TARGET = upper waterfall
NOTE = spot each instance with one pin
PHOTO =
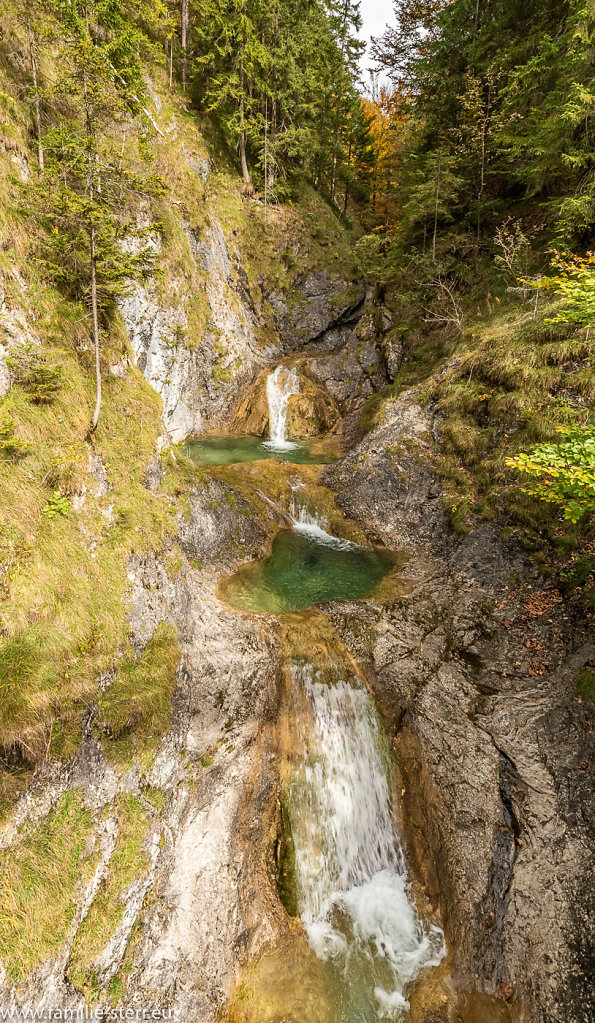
(281, 384)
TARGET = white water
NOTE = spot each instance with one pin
(352, 883)
(281, 384)
(304, 521)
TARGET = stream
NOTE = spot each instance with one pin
(350, 871)
(344, 865)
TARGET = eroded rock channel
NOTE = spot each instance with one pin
(372, 799)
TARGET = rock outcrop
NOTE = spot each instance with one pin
(204, 902)
(475, 672)
(198, 377)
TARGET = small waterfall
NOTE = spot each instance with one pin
(313, 525)
(351, 876)
(301, 516)
(281, 384)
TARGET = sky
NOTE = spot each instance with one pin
(376, 14)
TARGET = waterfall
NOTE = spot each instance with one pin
(313, 525)
(351, 877)
(281, 384)
(301, 516)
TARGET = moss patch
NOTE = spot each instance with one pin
(585, 684)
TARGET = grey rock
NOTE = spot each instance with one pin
(154, 474)
(323, 302)
(475, 678)
(221, 526)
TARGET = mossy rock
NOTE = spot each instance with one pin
(252, 415)
(311, 414)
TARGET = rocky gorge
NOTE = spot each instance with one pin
(470, 655)
(363, 796)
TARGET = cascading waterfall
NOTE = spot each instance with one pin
(350, 872)
(301, 516)
(281, 384)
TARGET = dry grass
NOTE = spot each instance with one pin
(128, 863)
(40, 875)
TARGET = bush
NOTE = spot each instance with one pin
(29, 368)
(10, 445)
(564, 473)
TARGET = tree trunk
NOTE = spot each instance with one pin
(184, 38)
(347, 180)
(245, 171)
(92, 156)
(436, 214)
(36, 105)
(95, 418)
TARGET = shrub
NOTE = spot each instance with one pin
(29, 368)
(564, 473)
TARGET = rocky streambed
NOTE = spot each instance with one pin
(476, 805)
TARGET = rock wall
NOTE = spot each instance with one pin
(198, 378)
(210, 845)
(475, 671)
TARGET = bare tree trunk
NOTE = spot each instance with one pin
(245, 171)
(36, 105)
(347, 180)
(184, 38)
(97, 410)
(266, 156)
(93, 258)
(436, 214)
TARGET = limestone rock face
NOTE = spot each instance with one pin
(321, 301)
(475, 677)
(198, 378)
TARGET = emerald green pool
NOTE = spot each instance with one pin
(227, 448)
(306, 566)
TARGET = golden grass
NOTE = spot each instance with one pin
(39, 877)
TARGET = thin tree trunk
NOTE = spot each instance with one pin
(245, 171)
(97, 410)
(347, 181)
(266, 156)
(93, 259)
(436, 215)
(36, 105)
(184, 38)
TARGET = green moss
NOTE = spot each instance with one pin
(156, 797)
(585, 684)
(41, 872)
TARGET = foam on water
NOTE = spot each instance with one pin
(352, 882)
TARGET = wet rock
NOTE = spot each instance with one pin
(221, 526)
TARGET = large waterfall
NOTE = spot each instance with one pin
(281, 384)
(351, 878)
